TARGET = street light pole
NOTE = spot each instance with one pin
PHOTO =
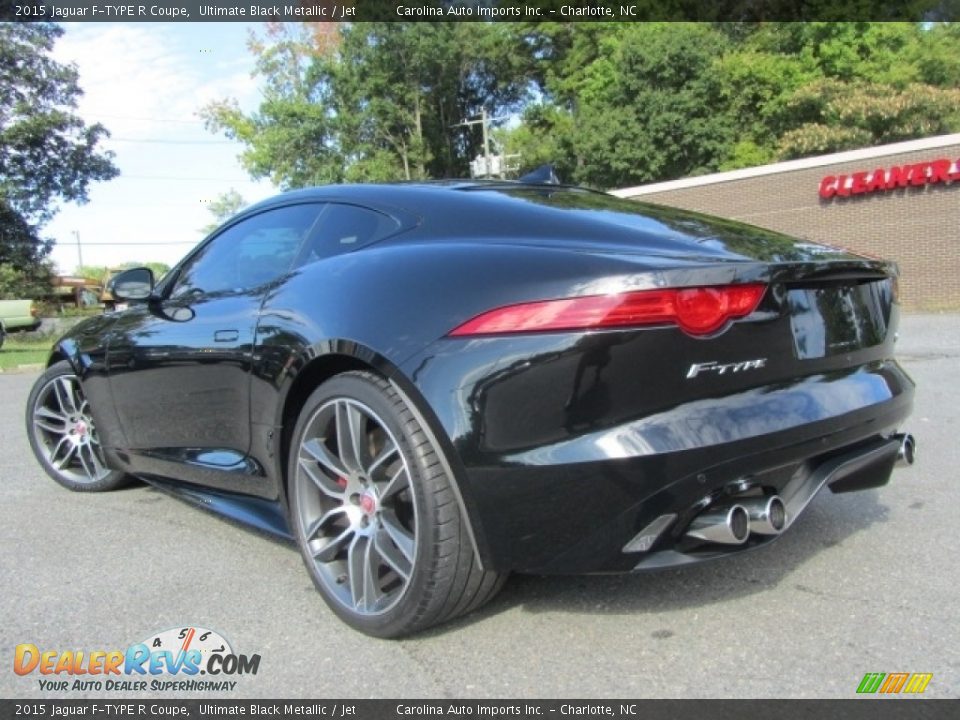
(76, 235)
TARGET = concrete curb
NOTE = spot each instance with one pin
(31, 367)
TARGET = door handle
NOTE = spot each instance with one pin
(225, 336)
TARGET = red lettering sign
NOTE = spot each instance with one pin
(864, 182)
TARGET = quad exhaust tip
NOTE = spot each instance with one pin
(768, 515)
(729, 525)
(907, 453)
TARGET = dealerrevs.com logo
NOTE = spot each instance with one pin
(179, 659)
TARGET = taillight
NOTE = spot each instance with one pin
(698, 311)
(33, 310)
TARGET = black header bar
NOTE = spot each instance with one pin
(474, 10)
(877, 709)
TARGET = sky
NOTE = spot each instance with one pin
(145, 83)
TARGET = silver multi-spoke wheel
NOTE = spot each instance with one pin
(356, 506)
(375, 512)
(64, 432)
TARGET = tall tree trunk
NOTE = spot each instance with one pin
(418, 120)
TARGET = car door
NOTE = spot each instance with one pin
(179, 367)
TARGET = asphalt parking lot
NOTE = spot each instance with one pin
(864, 582)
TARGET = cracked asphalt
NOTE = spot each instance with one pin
(863, 582)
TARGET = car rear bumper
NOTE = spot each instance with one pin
(572, 507)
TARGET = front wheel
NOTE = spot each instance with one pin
(62, 434)
(375, 515)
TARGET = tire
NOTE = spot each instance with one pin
(375, 515)
(62, 434)
(3, 336)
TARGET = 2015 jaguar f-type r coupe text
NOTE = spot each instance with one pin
(431, 385)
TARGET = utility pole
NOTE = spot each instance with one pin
(486, 139)
(76, 235)
(484, 122)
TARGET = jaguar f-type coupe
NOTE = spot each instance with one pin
(429, 386)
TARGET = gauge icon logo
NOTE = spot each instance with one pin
(184, 639)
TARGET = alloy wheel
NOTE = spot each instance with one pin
(356, 506)
(64, 431)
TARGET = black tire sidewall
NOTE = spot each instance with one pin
(404, 616)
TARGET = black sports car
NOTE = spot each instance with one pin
(429, 386)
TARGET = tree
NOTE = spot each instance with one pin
(640, 100)
(17, 283)
(809, 88)
(223, 208)
(99, 272)
(380, 102)
(626, 103)
(47, 153)
(831, 115)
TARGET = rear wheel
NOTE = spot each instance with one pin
(375, 514)
(62, 433)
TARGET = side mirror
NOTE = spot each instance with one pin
(133, 284)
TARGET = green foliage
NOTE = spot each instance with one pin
(647, 102)
(608, 104)
(47, 152)
(159, 269)
(224, 207)
(374, 102)
(837, 116)
(91, 272)
(97, 273)
(18, 283)
(543, 138)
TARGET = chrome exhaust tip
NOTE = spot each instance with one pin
(768, 515)
(907, 453)
(729, 525)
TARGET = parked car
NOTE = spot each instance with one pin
(429, 386)
(17, 315)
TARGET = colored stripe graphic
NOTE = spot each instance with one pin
(893, 683)
(871, 682)
(918, 682)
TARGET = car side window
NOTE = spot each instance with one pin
(342, 228)
(251, 253)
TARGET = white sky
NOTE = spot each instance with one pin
(145, 83)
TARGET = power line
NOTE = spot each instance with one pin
(160, 141)
(147, 119)
(161, 242)
(174, 177)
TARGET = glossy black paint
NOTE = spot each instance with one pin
(563, 444)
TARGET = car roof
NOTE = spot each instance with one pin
(417, 196)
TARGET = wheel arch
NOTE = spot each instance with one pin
(64, 350)
(339, 357)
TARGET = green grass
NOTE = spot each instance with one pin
(20, 351)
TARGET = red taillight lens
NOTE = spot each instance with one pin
(698, 311)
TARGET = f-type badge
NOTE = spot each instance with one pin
(711, 366)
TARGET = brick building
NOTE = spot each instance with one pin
(900, 202)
